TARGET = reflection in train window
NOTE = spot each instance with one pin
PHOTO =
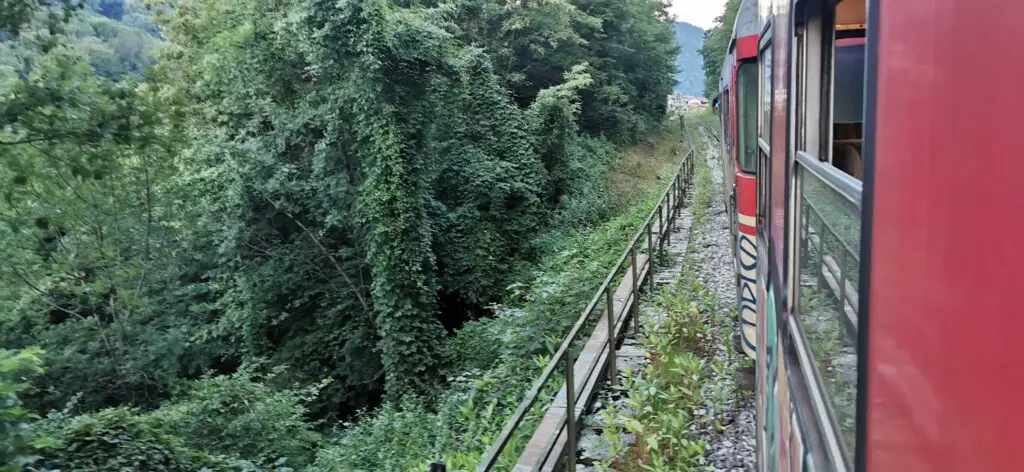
(829, 239)
(746, 94)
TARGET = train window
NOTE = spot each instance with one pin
(766, 93)
(727, 114)
(746, 94)
(829, 266)
(848, 103)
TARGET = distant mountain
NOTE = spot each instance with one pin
(689, 64)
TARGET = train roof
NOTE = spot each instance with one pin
(746, 21)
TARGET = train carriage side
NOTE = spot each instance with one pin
(742, 168)
(877, 232)
(809, 144)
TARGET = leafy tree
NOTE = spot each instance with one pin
(15, 438)
(716, 46)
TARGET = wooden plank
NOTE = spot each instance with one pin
(546, 447)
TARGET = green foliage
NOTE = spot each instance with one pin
(716, 46)
(243, 414)
(658, 401)
(16, 367)
(495, 360)
(114, 439)
(324, 185)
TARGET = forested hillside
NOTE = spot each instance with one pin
(715, 47)
(689, 63)
(227, 225)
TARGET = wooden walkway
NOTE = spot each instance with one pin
(546, 450)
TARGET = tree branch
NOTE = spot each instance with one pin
(316, 241)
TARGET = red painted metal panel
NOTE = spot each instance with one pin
(945, 325)
(746, 47)
(746, 201)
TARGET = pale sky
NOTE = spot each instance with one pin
(698, 12)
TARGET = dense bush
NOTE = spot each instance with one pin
(244, 415)
(15, 439)
(113, 439)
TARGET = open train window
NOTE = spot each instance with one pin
(830, 59)
(848, 102)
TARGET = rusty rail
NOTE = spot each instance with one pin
(665, 212)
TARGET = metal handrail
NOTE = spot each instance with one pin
(672, 197)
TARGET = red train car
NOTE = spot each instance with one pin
(737, 96)
(886, 220)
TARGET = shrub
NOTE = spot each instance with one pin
(243, 415)
(113, 439)
(15, 440)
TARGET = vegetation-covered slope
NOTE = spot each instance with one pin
(689, 63)
(285, 216)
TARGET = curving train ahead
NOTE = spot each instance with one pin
(875, 213)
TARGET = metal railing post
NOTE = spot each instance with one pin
(570, 412)
(650, 260)
(610, 310)
(661, 227)
(634, 308)
(842, 282)
(820, 268)
(675, 204)
(679, 186)
(668, 204)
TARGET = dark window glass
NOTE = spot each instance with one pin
(849, 84)
(746, 93)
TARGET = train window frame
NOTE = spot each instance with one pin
(746, 105)
(766, 95)
(813, 100)
(764, 129)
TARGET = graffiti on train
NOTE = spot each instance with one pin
(747, 255)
